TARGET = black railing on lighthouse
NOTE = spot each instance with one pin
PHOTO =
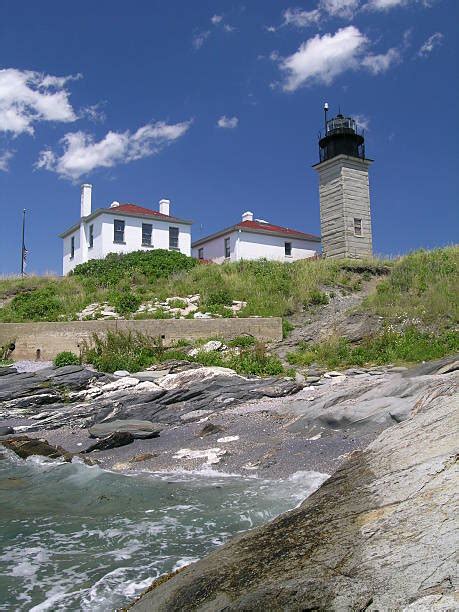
(342, 137)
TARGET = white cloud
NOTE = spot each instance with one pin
(433, 41)
(228, 123)
(340, 8)
(200, 38)
(322, 58)
(300, 19)
(216, 19)
(5, 157)
(381, 62)
(270, 28)
(27, 97)
(228, 28)
(363, 122)
(82, 154)
(385, 5)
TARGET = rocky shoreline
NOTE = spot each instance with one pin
(187, 417)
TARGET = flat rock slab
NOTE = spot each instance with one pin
(138, 429)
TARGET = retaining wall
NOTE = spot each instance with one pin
(49, 339)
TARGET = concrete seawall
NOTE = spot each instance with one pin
(49, 339)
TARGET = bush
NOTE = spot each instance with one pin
(121, 351)
(256, 362)
(39, 305)
(135, 266)
(242, 341)
(316, 298)
(66, 358)
(219, 297)
(125, 302)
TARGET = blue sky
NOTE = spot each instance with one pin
(217, 105)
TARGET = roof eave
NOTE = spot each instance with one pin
(113, 211)
(298, 236)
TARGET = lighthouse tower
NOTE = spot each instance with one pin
(345, 218)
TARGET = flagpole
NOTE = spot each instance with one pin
(23, 244)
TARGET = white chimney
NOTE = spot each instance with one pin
(86, 190)
(164, 207)
(247, 216)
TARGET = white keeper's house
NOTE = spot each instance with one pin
(256, 239)
(122, 228)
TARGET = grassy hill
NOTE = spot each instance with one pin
(416, 297)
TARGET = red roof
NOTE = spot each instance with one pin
(268, 227)
(133, 209)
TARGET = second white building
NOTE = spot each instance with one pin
(256, 239)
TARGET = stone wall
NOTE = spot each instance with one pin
(52, 338)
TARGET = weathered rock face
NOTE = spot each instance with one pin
(82, 398)
(378, 535)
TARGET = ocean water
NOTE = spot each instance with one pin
(74, 537)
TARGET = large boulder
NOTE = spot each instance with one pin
(378, 535)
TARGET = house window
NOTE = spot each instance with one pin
(288, 249)
(147, 229)
(72, 247)
(201, 253)
(227, 248)
(358, 227)
(91, 236)
(118, 231)
(173, 238)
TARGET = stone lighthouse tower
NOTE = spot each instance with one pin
(345, 218)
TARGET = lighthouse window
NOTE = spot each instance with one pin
(288, 249)
(227, 248)
(357, 227)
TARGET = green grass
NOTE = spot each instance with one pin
(406, 347)
(269, 288)
(422, 290)
(134, 351)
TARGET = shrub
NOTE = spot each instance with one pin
(219, 297)
(135, 266)
(242, 341)
(316, 298)
(256, 362)
(177, 303)
(66, 358)
(126, 302)
(121, 351)
(39, 305)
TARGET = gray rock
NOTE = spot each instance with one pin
(210, 429)
(151, 375)
(114, 440)
(195, 415)
(139, 429)
(6, 431)
(121, 373)
(212, 345)
(378, 535)
(431, 367)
